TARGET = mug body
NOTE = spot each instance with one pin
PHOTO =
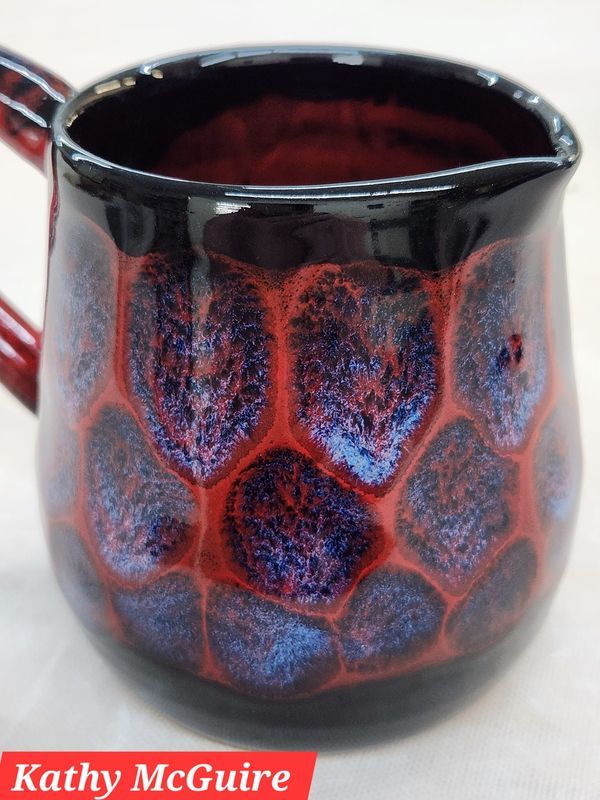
(309, 450)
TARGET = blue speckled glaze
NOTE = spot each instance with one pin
(198, 350)
(557, 480)
(139, 513)
(393, 615)
(501, 368)
(164, 619)
(496, 601)
(60, 462)
(79, 334)
(77, 576)
(557, 466)
(455, 508)
(365, 369)
(295, 532)
(263, 648)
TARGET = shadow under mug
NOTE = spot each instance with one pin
(309, 454)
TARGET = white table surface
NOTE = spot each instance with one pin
(536, 732)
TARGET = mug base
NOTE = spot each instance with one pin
(353, 716)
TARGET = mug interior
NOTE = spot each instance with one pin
(303, 120)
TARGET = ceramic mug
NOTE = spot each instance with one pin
(309, 453)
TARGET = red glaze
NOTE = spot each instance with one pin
(29, 97)
(19, 355)
(298, 441)
(456, 512)
(320, 142)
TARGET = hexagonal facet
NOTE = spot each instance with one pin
(392, 616)
(200, 360)
(77, 576)
(59, 466)
(557, 476)
(264, 649)
(455, 509)
(496, 601)
(500, 363)
(295, 532)
(557, 466)
(140, 514)
(365, 367)
(81, 314)
(164, 619)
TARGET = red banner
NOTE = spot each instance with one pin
(134, 776)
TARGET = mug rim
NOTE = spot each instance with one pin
(560, 133)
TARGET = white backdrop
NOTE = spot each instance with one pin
(536, 732)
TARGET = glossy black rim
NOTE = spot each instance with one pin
(560, 134)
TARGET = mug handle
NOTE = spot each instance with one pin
(29, 98)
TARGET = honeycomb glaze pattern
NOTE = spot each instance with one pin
(285, 483)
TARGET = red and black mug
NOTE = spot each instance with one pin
(309, 453)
